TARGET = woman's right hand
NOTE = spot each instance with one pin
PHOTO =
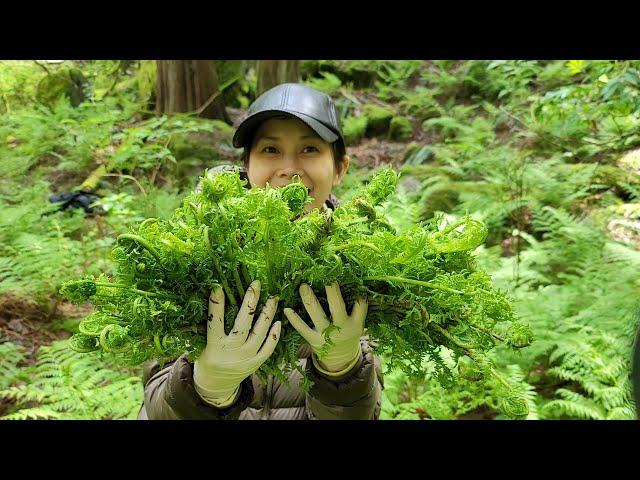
(228, 359)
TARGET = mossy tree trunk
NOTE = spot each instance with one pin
(189, 86)
(274, 72)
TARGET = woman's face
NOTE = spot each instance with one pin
(283, 147)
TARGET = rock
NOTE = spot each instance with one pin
(67, 82)
(378, 119)
(16, 326)
(354, 129)
(410, 184)
(400, 129)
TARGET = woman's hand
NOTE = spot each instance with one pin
(228, 359)
(343, 352)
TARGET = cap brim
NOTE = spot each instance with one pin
(249, 124)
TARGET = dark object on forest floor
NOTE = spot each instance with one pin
(77, 199)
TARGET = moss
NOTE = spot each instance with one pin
(354, 129)
(193, 146)
(442, 197)
(400, 129)
(146, 79)
(378, 119)
(67, 82)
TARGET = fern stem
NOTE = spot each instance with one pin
(393, 278)
(358, 242)
(135, 290)
(216, 264)
(449, 228)
(138, 239)
(467, 348)
(488, 332)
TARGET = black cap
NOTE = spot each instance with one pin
(314, 108)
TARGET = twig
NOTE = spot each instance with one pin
(126, 176)
(215, 95)
(42, 67)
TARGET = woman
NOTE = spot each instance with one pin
(291, 130)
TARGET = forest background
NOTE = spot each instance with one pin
(545, 153)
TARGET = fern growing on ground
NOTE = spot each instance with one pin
(66, 385)
(11, 355)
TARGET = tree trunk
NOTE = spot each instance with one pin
(189, 86)
(274, 72)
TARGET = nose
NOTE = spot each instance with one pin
(290, 168)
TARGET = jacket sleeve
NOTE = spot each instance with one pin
(356, 395)
(169, 394)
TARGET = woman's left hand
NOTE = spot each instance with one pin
(344, 350)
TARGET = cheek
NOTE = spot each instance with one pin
(322, 174)
(258, 172)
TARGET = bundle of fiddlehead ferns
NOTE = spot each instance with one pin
(423, 287)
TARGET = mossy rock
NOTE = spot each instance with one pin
(354, 129)
(442, 197)
(400, 129)
(200, 146)
(67, 82)
(378, 119)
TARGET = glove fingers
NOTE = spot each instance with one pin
(244, 319)
(269, 344)
(313, 307)
(302, 328)
(359, 311)
(259, 332)
(336, 303)
(215, 318)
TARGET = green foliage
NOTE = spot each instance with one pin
(18, 83)
(35, 247)
(329, 83)
(65, 385)
(11, 355)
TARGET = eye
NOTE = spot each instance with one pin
(269, 150)
(310, 149)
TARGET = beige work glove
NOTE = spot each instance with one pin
(343, 352)
(228, 359)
